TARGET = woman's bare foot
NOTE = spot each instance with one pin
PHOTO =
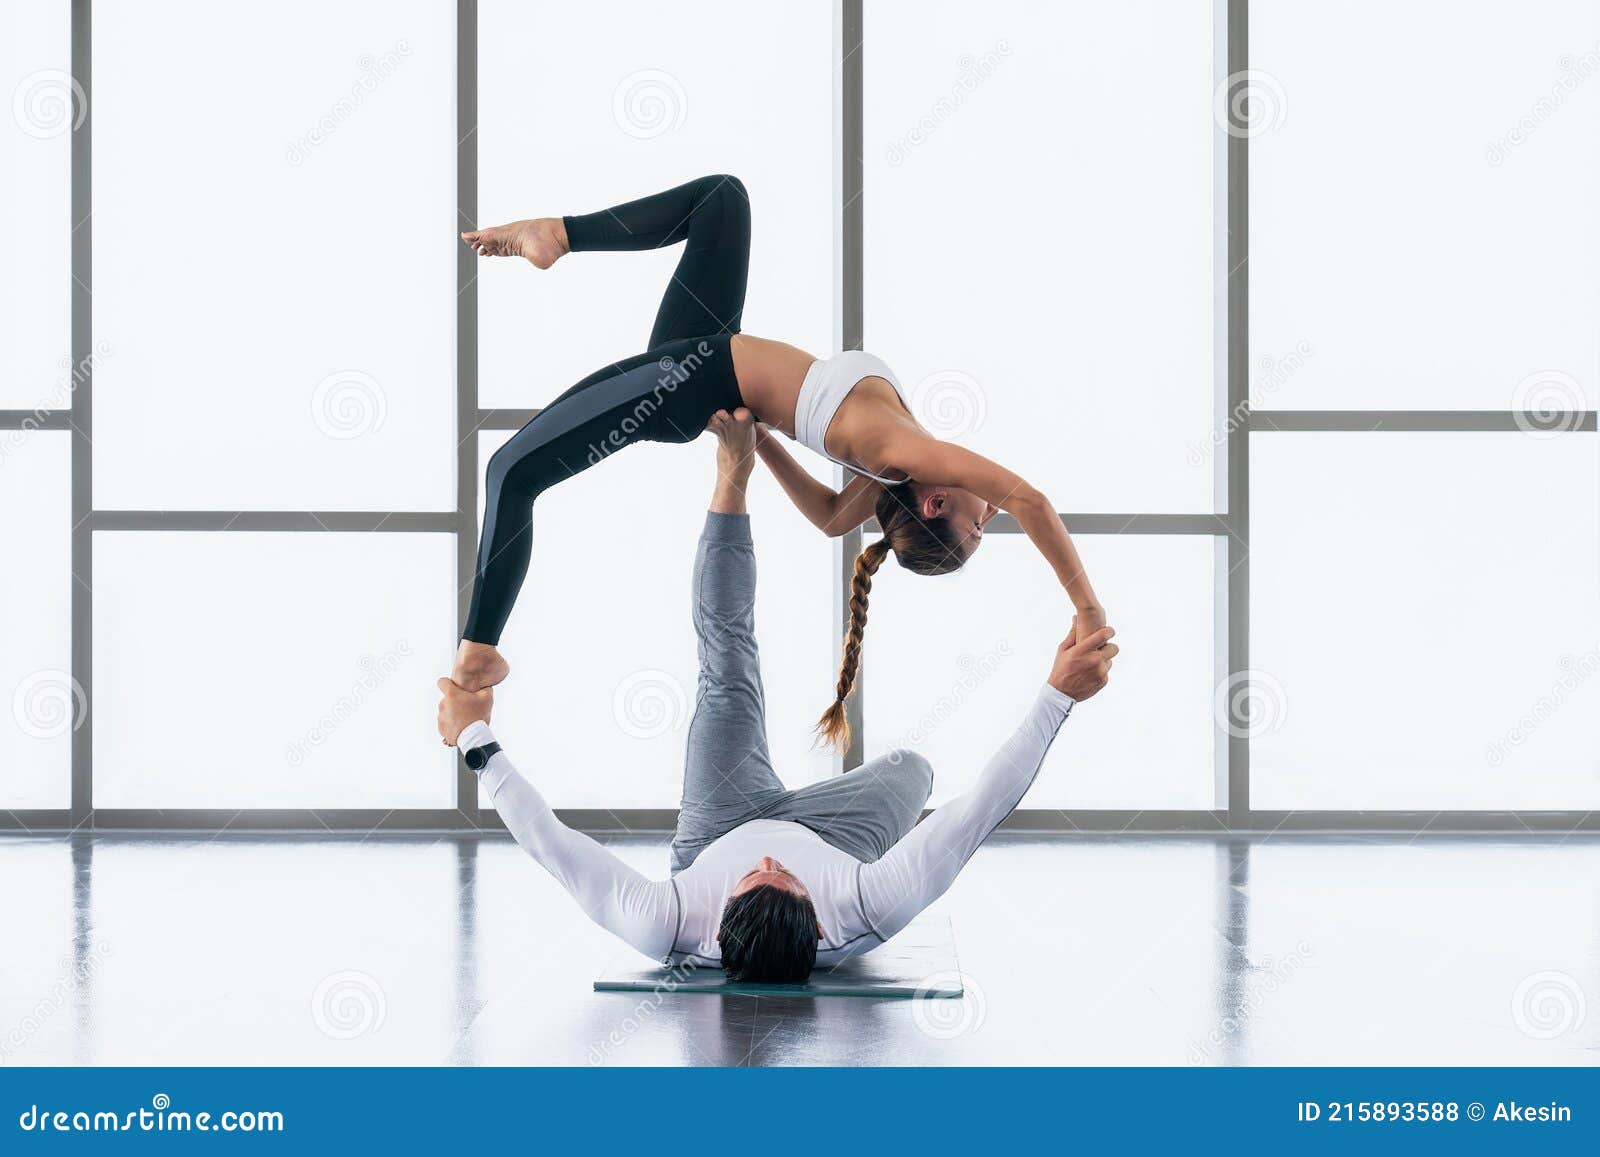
(478, 665)
(542, 241)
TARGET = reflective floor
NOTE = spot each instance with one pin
(123, 950)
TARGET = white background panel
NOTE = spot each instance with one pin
(1039, 238)
(1425, 616)
(275, 262)
(271, 670)
(35, 269)
(42, 702)
(1425, 222)
(741, 88)
(952, 664)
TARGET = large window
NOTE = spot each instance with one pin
(1308, 365)
(273, 264)
(1424, 471)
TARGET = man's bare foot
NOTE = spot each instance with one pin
(542, 241)
(478, 665)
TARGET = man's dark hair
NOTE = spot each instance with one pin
(770, 935)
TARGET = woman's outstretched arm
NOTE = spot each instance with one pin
(936, 463)
(834, 512)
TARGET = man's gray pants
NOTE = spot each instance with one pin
(727, 775)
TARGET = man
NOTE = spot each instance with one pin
(765, 881)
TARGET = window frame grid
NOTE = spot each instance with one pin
(1229, 529)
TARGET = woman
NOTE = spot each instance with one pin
(931, 498)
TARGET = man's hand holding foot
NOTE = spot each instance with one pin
(1082, 668)
(460, 707)
(736, 433)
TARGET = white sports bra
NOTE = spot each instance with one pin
(827, 383)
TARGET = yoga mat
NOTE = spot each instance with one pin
(920, 961)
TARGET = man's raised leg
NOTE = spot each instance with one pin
(727, 774)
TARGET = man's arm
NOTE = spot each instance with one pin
(920, 868)
(641, 911)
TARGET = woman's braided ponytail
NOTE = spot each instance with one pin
(833, 729)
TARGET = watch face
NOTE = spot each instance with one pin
(475, 759)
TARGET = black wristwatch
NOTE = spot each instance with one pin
(478, 757)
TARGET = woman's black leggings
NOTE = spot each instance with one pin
(665, 394)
